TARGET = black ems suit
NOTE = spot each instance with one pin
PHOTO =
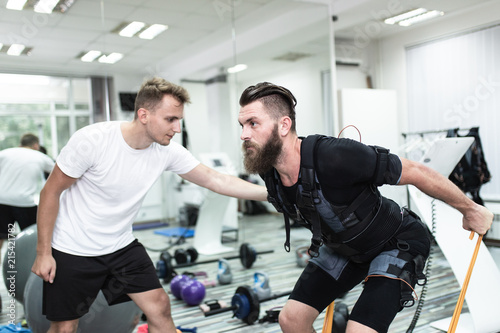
(356, 233)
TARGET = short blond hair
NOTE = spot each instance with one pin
(152, 91)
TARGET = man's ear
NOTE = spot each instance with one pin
(142, 115)
(284, 125)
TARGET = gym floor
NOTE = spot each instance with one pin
(266, 232)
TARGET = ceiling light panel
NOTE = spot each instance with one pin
(404, 16)
(110, 58)
(139, 29)
(41, 6)
(413, 16)
(45, 6)
(422, 17)
(153, 31)
(90, 56)
(237, 68)
(15, 4)
(16, 49)
(131, 29)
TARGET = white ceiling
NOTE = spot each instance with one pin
(203, 35)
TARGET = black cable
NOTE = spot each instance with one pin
(423, 292)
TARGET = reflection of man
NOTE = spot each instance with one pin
(21, 171)
(90, 201)
(330, 187)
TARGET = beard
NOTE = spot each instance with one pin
(261, 159)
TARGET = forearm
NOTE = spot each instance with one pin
(46, 217)
(225, 184)
(475, 217)
(236, 187)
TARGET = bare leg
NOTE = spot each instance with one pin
(156, 306)
(297, 317)
(355, 327)
(68, 326)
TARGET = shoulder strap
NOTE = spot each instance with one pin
(309, 192)
(270, 178)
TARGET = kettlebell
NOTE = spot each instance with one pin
(302, 256)
(224, 275)
(261, 285)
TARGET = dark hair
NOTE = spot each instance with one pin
(278, 100)
(29, 139)
(152, 91)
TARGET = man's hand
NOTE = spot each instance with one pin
(477, 219)
(45, 267)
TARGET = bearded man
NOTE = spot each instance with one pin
(330, 186)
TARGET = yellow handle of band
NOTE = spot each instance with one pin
(328, 323)
(461, 298)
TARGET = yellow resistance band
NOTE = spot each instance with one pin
(328, 323)
(458, 308)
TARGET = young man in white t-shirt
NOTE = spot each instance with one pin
(89, 203)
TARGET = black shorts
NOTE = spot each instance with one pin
(79, 279)
(24, 216)
(380, 300)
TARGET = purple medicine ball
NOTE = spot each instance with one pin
(177, 284)
(193, 292)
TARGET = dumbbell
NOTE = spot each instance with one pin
(247, 256)
(184, 256)
(245, 304)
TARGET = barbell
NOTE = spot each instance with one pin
(166, 270)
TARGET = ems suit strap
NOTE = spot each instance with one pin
(382, 160)
(309, 191)
(360, 199)
(272, 197)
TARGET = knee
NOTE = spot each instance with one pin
(286, 320)
(63, 326)
(160, 308)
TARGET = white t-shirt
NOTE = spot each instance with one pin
(21, 175)
(96, 213)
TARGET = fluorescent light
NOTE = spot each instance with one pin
(110, 58)
(1, 45)
(131, 29)
(237, 68)
(90, 56)
(15, 49)
(16, 4)
(404, 16)
(45, 6)
(421, 17)
(153, 31)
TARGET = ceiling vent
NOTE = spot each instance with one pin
(292, 56)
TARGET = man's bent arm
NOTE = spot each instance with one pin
(48, 209)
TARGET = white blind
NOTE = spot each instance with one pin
(454, 82)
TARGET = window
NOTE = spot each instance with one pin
(52, 108)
